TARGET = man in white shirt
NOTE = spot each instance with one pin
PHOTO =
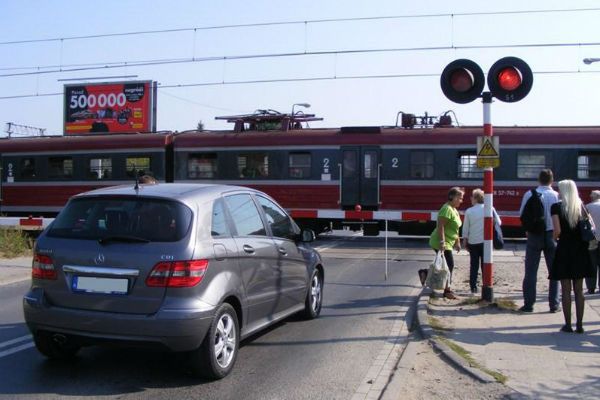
(594, 210)
(472, 231)
(538, 242)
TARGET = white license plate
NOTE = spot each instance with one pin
(100, 285)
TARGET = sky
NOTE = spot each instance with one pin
(357, 63)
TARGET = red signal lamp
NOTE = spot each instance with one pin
(510, 79)
(462, 81)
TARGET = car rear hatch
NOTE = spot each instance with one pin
(104, 248)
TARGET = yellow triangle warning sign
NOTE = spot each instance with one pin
(487, 149)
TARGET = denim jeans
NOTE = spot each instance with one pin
(590, 282)
(476, 256)
(536, 244)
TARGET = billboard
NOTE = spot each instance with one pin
(110, 107)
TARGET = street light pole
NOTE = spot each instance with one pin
(589, 61)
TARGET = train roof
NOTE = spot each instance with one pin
(84, 142)
(390, 136)
(360, 135)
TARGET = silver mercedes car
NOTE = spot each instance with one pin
(192, 268)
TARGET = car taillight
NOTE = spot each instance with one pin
(177, 273)
(42, 267)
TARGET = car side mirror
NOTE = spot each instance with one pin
(307, 235)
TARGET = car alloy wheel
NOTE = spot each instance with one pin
(314, 297)
(315, 293)
(225, 340)
(215, 358)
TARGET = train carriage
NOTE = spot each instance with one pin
(39, 174)
(323, 176)
(326, 178)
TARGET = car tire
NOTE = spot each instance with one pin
(314, 297)
(215, 358)
(52, 348)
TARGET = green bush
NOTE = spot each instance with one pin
(14, 243)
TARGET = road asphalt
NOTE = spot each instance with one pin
(526, 351)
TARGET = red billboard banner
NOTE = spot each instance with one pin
(109, 107)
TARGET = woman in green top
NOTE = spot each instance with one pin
(446, 234)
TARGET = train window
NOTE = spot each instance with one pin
(588, 166)
(100, 168)
(299, 165)
(28, 168)
(530, 163)
(253, 165)
(421, 164)
(349, 164)
(140, 164)
(467, 166)
(370, 164)
(202, 166)
(60, 167)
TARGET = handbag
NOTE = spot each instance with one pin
(585, 227)
(498, 237)
(439, 273)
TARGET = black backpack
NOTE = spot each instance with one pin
(533, 219)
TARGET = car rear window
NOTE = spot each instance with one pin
(98, 218)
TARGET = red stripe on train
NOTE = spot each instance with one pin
(304, 214)
(30, 222)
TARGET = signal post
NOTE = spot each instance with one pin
(509, 80)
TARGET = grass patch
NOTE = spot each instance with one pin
(472, 362)
(506, 304)
(467, 301)
(14, 243)
(437, 324)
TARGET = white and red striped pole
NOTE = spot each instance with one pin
(487, 292)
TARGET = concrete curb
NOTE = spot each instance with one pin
(450, 356)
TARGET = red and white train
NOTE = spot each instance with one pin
(320, 175)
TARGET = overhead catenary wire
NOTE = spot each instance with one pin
(312, 79)
(314, 21)
(143, 63)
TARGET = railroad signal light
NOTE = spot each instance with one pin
(510, 79)
(462, 81)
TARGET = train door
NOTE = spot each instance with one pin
(360, 176)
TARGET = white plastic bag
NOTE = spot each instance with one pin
(438, 274)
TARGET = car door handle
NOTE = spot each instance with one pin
(283, 251)
(248, 249)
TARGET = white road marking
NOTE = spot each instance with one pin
(13, 341)
(16, 349)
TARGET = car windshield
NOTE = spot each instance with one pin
(122, 219)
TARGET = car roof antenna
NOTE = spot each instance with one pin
(137, 179)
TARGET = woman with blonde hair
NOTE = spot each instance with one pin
(472, 230)
(571, 262)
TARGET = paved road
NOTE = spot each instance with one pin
(325, 358)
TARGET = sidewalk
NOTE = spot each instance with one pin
(525, 351)
(14, 270)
